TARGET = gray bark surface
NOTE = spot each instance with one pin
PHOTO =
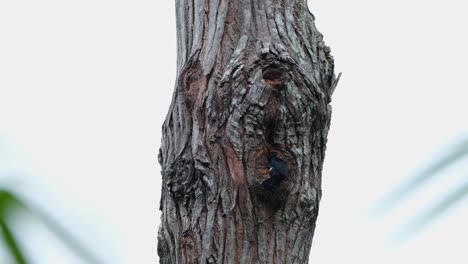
(254, 78)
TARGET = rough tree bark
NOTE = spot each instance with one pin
(254, 80)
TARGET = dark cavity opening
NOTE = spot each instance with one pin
(274, 76)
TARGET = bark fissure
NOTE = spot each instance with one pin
(254, 82)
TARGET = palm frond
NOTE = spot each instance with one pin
(11, 242)
(440, 206)
(405, 189)
(432, 213)
(10, 204)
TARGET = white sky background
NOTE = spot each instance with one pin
(85, 86)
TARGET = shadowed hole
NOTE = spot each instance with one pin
(274, 76)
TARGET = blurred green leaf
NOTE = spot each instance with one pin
(11, 204)
(439, 207)
(66, 237)
(406, 189)
(11, 242)
(433, 212)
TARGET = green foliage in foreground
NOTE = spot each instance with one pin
(437, 208)
(11, 205)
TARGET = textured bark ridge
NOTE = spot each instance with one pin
(254, 81)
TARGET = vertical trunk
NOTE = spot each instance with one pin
(254, 81)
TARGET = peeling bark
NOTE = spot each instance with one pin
(254, 80)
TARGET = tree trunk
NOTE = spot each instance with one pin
(254, 85)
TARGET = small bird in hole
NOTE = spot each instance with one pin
(278, 172)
